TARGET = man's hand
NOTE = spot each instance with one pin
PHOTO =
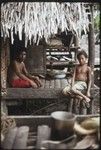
(33, 84)
(37, 80)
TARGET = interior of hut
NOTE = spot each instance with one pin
(59, 52)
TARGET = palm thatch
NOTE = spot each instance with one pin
(41, 19)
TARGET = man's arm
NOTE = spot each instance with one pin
(89, 82)
(26, 73)
(35, 78)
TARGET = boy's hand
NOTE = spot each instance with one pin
(88, 94)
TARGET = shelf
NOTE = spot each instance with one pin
(57, 53)
(60, 63)
(53, 53)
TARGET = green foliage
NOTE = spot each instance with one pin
(97, 22)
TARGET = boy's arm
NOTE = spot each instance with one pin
(89, 82)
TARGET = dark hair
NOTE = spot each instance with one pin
(82, 53)
(19, 51)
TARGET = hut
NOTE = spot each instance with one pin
(34, 25)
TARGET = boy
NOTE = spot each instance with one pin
(81, 80)
(18, 75)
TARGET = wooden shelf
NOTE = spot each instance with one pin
(60, 63)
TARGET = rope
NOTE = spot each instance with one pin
(6, 123)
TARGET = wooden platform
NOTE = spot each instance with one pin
(51, 90)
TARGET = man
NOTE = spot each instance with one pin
(18, 74)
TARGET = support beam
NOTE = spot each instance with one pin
(91, 43)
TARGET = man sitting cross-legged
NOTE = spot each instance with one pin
(18, 76)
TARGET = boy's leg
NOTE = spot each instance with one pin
(80, 94)
(66, 90)
(78, 88)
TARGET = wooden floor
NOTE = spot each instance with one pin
(54, 83)
(51, 89)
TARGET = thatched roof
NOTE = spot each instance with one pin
(41, 19)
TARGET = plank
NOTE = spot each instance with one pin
(47, 83)
(63, 83)
(21, 138)
(51, 85)
(9, 138)
(57, 83)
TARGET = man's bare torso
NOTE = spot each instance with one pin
(81, 73)
(13, 71)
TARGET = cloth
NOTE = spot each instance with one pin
(78, 85)
(20, 83)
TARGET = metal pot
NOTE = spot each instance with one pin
(63, 123)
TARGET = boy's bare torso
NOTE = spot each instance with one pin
(81, 73)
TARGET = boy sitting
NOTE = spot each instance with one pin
(81, 80)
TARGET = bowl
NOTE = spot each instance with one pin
(60, 76)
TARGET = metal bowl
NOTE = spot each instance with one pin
(60, 76)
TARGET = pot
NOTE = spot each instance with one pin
(63, 124)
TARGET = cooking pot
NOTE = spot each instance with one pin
(63, 124)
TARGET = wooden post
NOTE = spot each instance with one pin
(20, 141)
(91, 43)
(9, 138)
(43, 133)
(76, 44)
